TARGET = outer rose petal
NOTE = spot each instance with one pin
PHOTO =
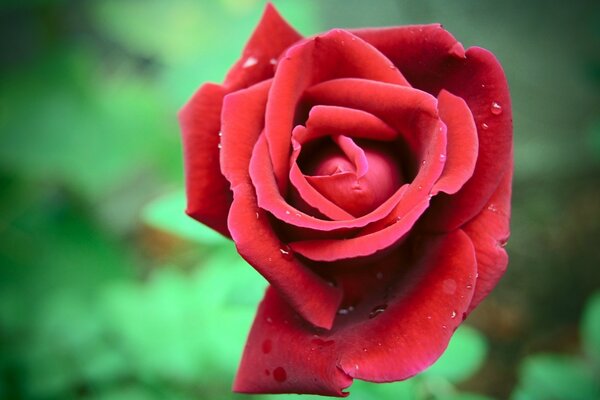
(252, 233)
(489, 232)
(480, 81)
(208, 195)
(461, 152)
(284, 354)
(432, 60)
(272, 36)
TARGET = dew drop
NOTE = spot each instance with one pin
(250, 61)
(484, 126)
(298, 215)
(429, 317)
(419, 187)
(496, 108)
(453, 315)
(269, 320)
(273, 61)
(442, 157)
(365, 349)
(287, 212)
(379, 275)
(444, 327)
(267, 346)
(469, 286)
(286, 252)
(220, 134)
(279, 374)
(492, 207)
(220, 146)
(270, 259)
(377, 310)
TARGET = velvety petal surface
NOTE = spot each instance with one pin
(208, 194)
(272, 36)
(462, 147)
(480, 81)
(250, 227)
(389, 337)
(335, 54)
(489, 232)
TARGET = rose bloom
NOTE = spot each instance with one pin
(366, 174)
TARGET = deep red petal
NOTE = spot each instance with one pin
(316, 301)
(272, 36)
(480, 81)
(270, 199)
(335, 54)
(243, 116)
(332, 120)
(489, 232)
(364, 245)
(403, 335)
(462, 148)
(421, 52)
(208, 194)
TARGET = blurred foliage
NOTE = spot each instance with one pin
(108, 291)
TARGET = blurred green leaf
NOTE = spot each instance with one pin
(464, 396)
(590, 328)
(168, 213)
(551, 377)
(463, 357)
(362, 390)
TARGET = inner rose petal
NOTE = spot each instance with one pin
(359, 180)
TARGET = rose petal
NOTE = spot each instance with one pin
(421, 52)
(364, 245)
(334, 54)
(307, 193)
(461, 151)
(408, 111)
(480, 81)
(270, 199)
(489, 232)
(208, 194)
(271, 37)
(381, 342)
(332, 120)
(250, 229)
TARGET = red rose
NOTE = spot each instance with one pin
(366, 174)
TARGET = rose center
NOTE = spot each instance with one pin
(357, 176)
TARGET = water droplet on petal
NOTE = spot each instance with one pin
(273, 61)
(286, 252)
(492, 207)
(442, 157)
(220, 134)
(269, 320)
(429, 317)
(469, 286)
(377, 310)
(220, 146)
(267, 346)
(444, 327)
(379, 275)
(496, 108)
(419, 187)
(453, 315)
(250, 61)
(287, 212)
(484, 126)
(279, 374)
(365, 349)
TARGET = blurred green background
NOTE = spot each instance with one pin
(107, 291)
